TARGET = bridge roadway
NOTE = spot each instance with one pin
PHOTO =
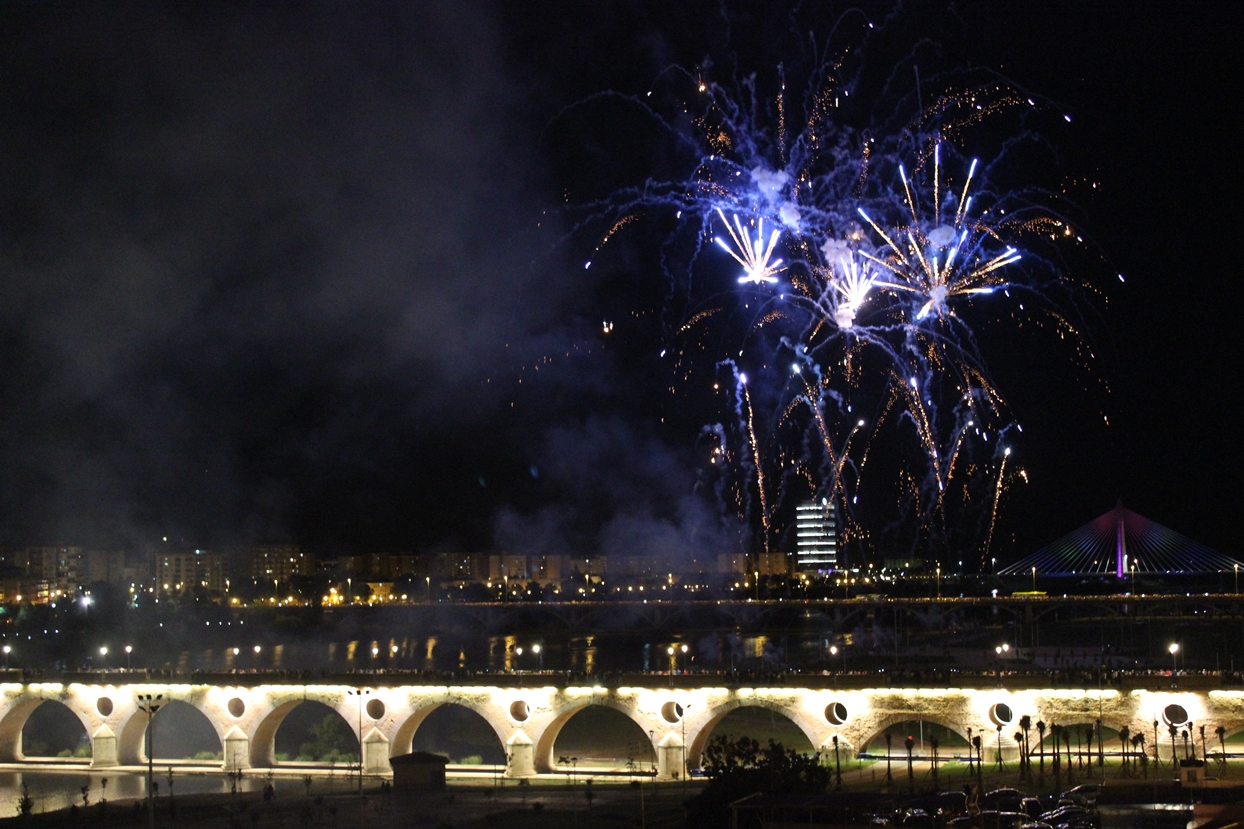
(678, 713)
(781, 613)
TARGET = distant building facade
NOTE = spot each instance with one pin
(816, 534)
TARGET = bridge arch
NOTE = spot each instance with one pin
(263, 740)
(14, 720)
(131, 736)
(884, 724)
(561, 715)
(404, 736)
(697, 740)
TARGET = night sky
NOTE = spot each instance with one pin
(274, 272)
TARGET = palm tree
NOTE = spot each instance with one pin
(1056, 732)
(1025, 723)
(971, 757)
(1138, 744)
(1041, 747)
(1221, 733)
(1174, 731)
(1125, 735)
(911, 775)
(933, 744)
(1019, 747)
(1204, 753)
(1101, 749)
(888, 777)
(1088, 745)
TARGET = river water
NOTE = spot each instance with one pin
(52, 789)
(589, 654)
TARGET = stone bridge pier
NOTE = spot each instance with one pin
(678, 722)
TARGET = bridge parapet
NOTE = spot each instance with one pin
(1123, 681)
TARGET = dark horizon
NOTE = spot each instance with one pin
(298, 274)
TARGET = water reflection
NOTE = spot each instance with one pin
(59, 789)
(706, 650)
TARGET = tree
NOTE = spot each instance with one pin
(1138, 743)
(1221, 733)
(737, 768)
(911, 775)
(1125, 735)
(1041, 746)
(1174, 732)
(331, 741)
(1067, 746)
(1025, 723)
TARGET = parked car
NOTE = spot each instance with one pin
(1003, 800)
(993, 819)
(1062, 813)
(952, 803)
(1085, 795)
(917, 819)
(1087, 821)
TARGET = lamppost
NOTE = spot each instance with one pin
(150, 704)
(683, 648)
(1237, 579)
(939, 582)
(360, 693)
(1174, 649)
(1034, 579)
(539, 651)
(103, 653)
(129, 649)
(671, 669)
(7, 650)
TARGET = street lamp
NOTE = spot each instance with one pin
(539, 651)
(150, 704)
(129, 649)
(7, 650)
(683, 648)
(673, 663)
(1237, 579)
(1174, 649)
(103, 652)
(360, 693)
(939, 582)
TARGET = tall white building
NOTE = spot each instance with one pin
(816, 534)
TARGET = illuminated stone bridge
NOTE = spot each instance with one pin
(677, 714)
